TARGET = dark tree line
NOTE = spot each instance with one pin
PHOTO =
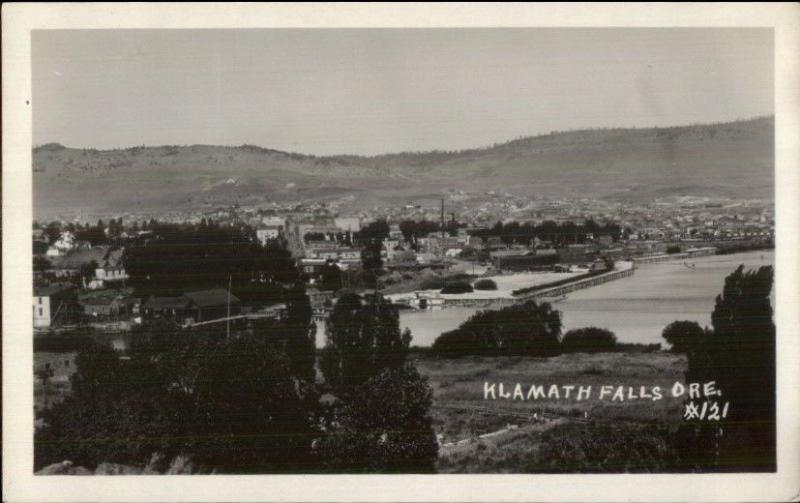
(560, 234)
(180, 258)
(101, 233)
(528, 329)
(345, 238)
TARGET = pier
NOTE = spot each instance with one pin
(580, 284)
(690, 253)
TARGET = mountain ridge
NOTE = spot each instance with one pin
(732, 159)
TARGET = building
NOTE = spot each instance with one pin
(212, 304)
(266, 233)
(111, 273)
(523, 262)
(351, 224)
(65, 242)
(54, 305)
(112, 306)
(576, 254)
(194, 307)
(169, 308)
(312, 266)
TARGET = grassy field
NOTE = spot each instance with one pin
(590, 435)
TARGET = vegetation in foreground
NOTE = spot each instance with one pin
(668, 435)
(248, 401)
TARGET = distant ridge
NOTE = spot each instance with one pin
(724, 159)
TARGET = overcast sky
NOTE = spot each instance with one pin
(376, 91)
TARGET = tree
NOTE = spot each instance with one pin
(381, 421)
(684, 336)
(457, 287)
(589, 340)
(230, 404)
(386, 428)
(301, 331)
(371, 256)
(738, 354)
(52, 231)
(527, 329)
(363, 338)
(184, 258)
(485, 284)
(87, 270)
(331, 277)
(41, 264)
(374, 231)
(44, 374)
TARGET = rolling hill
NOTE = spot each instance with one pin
(732, 159)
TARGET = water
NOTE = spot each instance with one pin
(636, 308)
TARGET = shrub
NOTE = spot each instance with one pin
(485, 284)
(683, 335)
(528, 329)
(606, 448)
(588, 340)
(431, 283)
(457, 287)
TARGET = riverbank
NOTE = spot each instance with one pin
(636, 308)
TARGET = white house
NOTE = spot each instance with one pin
(65, 242)
(266, 233)
(109, 273)
(48, 303)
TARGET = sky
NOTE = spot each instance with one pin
(373, 91)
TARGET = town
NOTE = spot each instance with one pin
(80, 274)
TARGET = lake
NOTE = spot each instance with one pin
(636, 308)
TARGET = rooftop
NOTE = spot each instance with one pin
(213, 297)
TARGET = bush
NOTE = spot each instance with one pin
(673, 249)
(683, 335)
(589, 340)
(528, 329)
(457, 287)
(606, 448)
(485, 284)
(431, 283)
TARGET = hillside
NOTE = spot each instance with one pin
(728, 159)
